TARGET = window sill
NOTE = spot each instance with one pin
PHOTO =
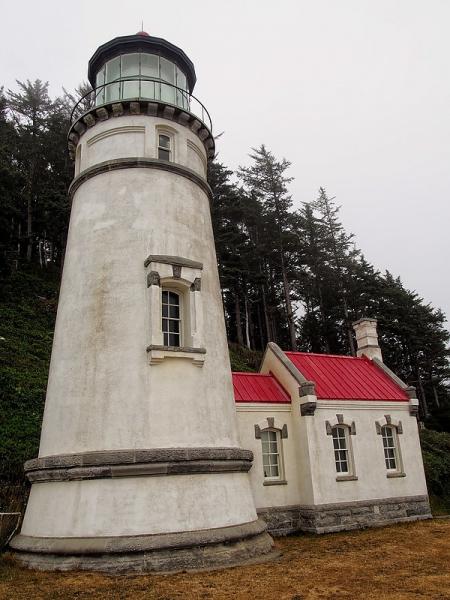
(275, 482)
(156, 354)
(398, 474)
(346, 478)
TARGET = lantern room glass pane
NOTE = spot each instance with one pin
(100, 80)
(149, 65)
(182, 97)
(149, 68)
(112, 91)
(130, 68)
(152, 77)
(167, 74)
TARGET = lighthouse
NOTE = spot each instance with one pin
(140, 465)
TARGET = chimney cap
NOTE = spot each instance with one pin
(364, 320)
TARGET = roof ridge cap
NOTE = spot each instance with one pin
(325, 354)
(252, 373)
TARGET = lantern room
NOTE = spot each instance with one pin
(141, 67)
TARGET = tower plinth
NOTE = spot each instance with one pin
(140, 466)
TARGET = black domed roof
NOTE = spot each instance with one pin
(141, 42)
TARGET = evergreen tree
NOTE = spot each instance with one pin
(266, 181)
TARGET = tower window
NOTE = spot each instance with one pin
(171, 318)
(164, 147)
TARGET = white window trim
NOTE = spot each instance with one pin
(181, 309)
(396, 427)
(350, 430)
(166, 273)
(280, 479)
(273, 424)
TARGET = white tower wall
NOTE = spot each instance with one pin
(139, 464)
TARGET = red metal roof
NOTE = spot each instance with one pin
(346, 377)
(254, 387)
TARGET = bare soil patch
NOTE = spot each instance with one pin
(401, 561)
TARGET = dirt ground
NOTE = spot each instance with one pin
(402, 561)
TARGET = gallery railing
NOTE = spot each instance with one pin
(135, 89)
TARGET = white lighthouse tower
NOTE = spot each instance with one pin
(139, 464)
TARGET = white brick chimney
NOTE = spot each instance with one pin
(367, 338)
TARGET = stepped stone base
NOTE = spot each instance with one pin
(206, 549)
(327, 518)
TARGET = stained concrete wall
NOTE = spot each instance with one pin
(103, 393)
(131, 136)
(137, 505)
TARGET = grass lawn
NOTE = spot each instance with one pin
(409, 560)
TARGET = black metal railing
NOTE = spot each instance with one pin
(154, 89)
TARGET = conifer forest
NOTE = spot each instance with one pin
(290, 273)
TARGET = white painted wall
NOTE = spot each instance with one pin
(131, 136)
(367, 451)
(309, 458)
(102, 392)
(138, 505)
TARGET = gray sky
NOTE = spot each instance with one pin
(355, 93)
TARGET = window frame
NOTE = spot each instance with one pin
(273, 479)
(159, 147)
(396, 471)
(350, 474)
(180, 319)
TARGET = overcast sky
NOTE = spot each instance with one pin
(355, 93)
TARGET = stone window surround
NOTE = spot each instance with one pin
(397, 426)
(350, 430)
(273, 424)
(182, 275)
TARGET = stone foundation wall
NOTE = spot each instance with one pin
(326, 518)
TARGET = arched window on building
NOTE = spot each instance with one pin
(341, 443)
(389, 429)
(391, 449)
(271, 454)
(341, 432)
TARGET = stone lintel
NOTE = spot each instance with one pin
(174, 261)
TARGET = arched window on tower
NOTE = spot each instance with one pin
(164, 147)
(171, 318)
